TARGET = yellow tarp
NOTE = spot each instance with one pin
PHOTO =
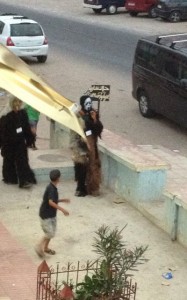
(17, 78)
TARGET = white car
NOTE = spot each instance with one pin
(24, 37)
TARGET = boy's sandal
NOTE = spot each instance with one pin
(50, 251)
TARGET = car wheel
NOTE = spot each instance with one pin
(42, 58)
(97, 11)
(175, 16)
(152, 12)
(133, 13)
(111, 9)
(144, 105)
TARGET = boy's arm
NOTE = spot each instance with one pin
(65, 200)
(54, 205)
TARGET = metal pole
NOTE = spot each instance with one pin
(52, 134)
(175, 221)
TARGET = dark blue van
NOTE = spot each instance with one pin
(111, 6)
(159, 77)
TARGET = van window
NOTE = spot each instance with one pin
(147, 55)
(142, 54)
(170, 67)
(153, 58)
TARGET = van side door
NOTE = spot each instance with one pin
(170, 86)
(154, 68)
(181, 103)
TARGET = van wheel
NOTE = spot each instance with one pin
(111, 9)
(97, 11)
(144, 105)
(152, 12)
(133, 13)
(42, 58)
(175, 16)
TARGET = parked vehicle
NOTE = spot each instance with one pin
(111, 6)
(172, 10)
(141, 6)
(159, 77)
(24, 37)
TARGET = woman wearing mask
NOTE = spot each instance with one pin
(93, 129)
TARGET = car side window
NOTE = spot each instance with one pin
(170, 68)
(1, 27)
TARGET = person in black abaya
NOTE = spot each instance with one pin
(16, 136)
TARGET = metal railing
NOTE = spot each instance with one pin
(50, 281)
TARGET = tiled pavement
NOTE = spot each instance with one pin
(17, 270)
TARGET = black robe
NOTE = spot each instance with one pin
(93, 174)
(16, 136)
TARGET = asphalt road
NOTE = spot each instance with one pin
(84, 53)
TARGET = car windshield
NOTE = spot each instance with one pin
(25, 29)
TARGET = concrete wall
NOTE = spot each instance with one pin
(175, 213)
(130, 172)
(134, 186)
(59, 136)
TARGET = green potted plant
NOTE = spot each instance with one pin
(116, 264)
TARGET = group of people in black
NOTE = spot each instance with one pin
(16, 137)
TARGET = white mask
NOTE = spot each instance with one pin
(88, 104)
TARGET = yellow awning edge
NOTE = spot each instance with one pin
(17, 78)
